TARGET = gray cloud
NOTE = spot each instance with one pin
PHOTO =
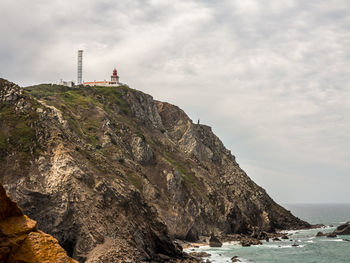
(271, 77)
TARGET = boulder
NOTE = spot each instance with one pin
(235, 259)
(332, 235)
(276, 239)
(214, 242)
(258, 234)
(320, 234)
(192, 234)
(343, 229)
(285, 237)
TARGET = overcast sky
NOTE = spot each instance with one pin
(270, 76)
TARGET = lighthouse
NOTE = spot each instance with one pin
(115, 77)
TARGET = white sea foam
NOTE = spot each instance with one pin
(279, 246)
(332, 240)
(244, 261)
(234, 243)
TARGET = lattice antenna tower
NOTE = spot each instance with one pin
(80, 67)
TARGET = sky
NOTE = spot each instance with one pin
(270, 77)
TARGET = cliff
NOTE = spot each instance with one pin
(102, 168)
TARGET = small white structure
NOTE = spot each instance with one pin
(114, 82)
(66, 83)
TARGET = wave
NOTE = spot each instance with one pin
(281, 246)
(332, 240)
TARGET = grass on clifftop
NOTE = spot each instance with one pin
(17, 133)
(82, 96)
(80, 105)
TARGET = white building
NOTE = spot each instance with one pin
(66, 83)
(114, 82)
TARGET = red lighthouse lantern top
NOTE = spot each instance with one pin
(115, 72)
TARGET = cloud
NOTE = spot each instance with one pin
(271, 77)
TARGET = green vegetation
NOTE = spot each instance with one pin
(83, 96)
(45, 90)
(79, 106)
(3, 144)
(189, 178)
(17, 133)
(114, 95)
(23, 136)
(75, 100)
(135, 179)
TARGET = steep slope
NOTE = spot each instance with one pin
(95, 164)
(20, 241)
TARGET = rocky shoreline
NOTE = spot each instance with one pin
(342, 230)
(252, 239)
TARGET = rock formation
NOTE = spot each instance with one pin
(214, 242)
(343, 229)
(21, 241)
(110, 167)
(320, 234)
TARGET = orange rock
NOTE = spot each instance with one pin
(40, 247)
(8, 208)
(20, 241)
(15, 226)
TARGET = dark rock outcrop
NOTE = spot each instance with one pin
(248, 241)
(343, 229)
(200, 254)
(320, 234)
(214, 241)
(107, 167)
(331, 235)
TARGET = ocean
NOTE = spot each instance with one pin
(311, 250)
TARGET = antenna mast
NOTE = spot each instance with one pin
(80, 67)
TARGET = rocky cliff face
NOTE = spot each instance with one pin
(102, 167)
(20, 241)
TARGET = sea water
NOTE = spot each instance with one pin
(311, 249)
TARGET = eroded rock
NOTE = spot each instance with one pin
(20, 241)
(214, 241)
(343, 229)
